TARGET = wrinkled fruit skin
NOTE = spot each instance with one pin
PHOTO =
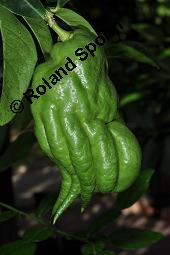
(77, 126)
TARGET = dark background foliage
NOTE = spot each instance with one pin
(144, 91)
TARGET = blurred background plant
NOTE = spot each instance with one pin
(139, 59)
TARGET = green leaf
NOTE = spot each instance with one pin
(124, 199)
(61, 3)
(134, 238)
(130, 98)
(99, 246)
(87, 249)
(38, 234)
(128, 197)
(27, 8)
(7, 215)
(151, 33)
(14, 210)
(46, 205)
(42, 33)
(20, 57)
(131, 50)
(73, 19)
(163, 11)
(18, 248)
(102, 220)
(93, 248)
(17, 151)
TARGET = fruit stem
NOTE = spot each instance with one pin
(54, 10)
(63, 34)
